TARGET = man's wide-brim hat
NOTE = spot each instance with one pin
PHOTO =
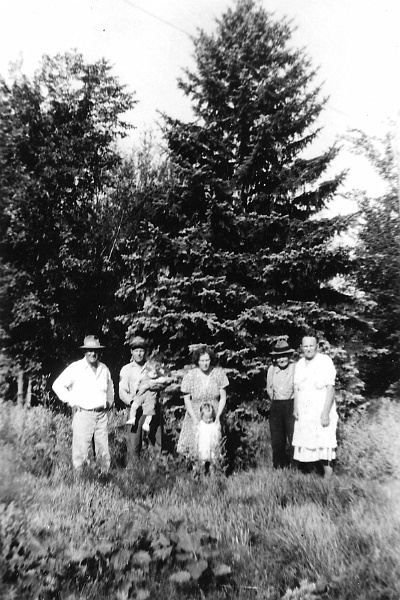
(281, 348)
(91, 342)
(138, 342)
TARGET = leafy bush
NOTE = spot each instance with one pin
(248, 441)
(42, 439)
(124, 558)
(12, 550)
(156, 532)
(369, 444)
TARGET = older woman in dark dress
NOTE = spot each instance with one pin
(206, 382)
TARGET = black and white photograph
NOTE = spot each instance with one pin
(199, 300)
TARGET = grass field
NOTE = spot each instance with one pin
(158, 532)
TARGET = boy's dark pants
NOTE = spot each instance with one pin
(281, 424)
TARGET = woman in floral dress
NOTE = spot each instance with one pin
(204, 383)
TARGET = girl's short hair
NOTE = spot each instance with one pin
(204, 350)
(207, 405)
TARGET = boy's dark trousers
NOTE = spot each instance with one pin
(281, 424)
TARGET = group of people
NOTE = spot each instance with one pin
(302, 415)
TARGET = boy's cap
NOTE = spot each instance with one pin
(138, 342)
(281, 348)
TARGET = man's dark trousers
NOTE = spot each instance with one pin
(134, 438)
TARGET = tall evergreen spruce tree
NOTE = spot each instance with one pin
(237, 256)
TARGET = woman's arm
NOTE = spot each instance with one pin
(189, 407)
(296, 390)
(330, 394)
(221, 404)
(296, 402)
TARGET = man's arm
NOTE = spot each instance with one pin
(110, 391)
(140, 397)
(154, 385)
(123, 388)
(62, 386)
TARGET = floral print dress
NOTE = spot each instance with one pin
(201, 388)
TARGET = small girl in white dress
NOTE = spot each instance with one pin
(208, 435)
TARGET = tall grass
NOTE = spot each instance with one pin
(370, 445)
(282, 533)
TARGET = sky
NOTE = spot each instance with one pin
(354, 44)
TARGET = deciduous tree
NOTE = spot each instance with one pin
(58, 155)
(378, 263)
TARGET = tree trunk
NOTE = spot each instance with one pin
(28, 399)
(20, 393)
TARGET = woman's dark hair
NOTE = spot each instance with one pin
(204, 350)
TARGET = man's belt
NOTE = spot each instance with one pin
(97, 409)
(282, 399)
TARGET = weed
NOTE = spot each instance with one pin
(156, 531)
(370, 445)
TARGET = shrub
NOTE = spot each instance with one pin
(133, 553)
(42, 439)
(159, 533)
(248, 442)
(369, 444)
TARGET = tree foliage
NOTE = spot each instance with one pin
(58, 134)
(237, 255)
(378, 263)
(220, 241)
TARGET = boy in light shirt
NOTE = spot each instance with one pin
(280, 389)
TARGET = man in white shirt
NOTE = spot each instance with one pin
(87, 387)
